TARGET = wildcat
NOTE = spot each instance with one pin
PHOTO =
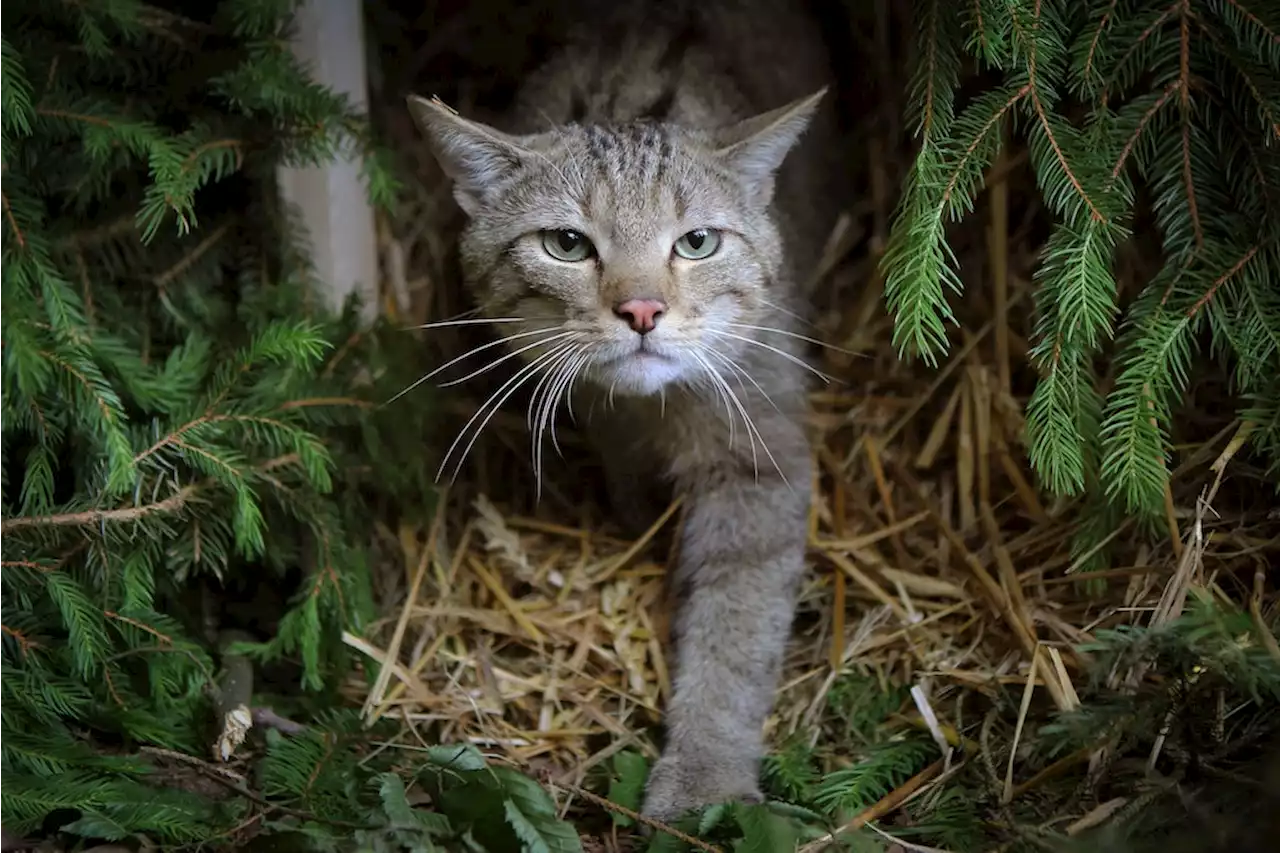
(639, 228)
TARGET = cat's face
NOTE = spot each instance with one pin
(635, 256)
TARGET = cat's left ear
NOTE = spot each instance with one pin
(755, 147)
(476, 157)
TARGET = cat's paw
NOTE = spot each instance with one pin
(679, 784)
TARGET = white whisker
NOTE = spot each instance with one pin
(586, 363)
(533, 397)
(566, 389)
(788, 356)
(742, 372)
(804, 321)
(751, 426)
(804, 338)
(717, 383)
(514, 353)
(556, 392)
(479, 321)
(510, 387)
(466, 354)
(546, 410)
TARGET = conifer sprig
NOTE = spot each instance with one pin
(173, 413)
(1163, 105)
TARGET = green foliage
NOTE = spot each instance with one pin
(789, 773)
(626, 784)
(851, 789)
(1207, 696)
(858, 706)
(178, 420)
(1128, 110)
(498, 807)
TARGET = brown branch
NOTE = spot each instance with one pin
(188, 260)
(1213, 288)
(170, 438)
(39, 413)
(328, 574)
(107, 414)
(885, 805)
(931, 64)
(1062, 159)
(213, 146)
(92, 236)
(141, 626)
(1097, 36)
(1142, 125)
(173, 503)
(610, 805)
(199, 451)
(175, 437)
(26, 564)
(1044, 119)
(236, 784)
(94, 120)
(13, 223)
(1184, 78)
(986, 128)
(1243, 132)
(111, 687)
(982, 39)
(1258, 97)
(326, 401)
(1255, 20)
(279, 462)
(25, 642)
(1145, 34)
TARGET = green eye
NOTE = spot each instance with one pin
(568, 246)
(698, 244)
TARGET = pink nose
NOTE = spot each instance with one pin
(641, 314)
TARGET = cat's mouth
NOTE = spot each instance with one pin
(642, 369)
(645, 350)
(642, 355)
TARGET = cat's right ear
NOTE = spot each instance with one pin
(476, 157)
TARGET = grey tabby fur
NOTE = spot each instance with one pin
(653, 121)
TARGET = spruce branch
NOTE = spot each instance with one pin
(1269, 31)
(172, 503)
(1134, 53)
(1221, 280)
(13, 223)
(932, 88)
(176, 502)
(1142, 125)
(1184, 104)
(1180, 100)
(1091, 56)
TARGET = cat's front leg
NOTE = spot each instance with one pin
(742, 557)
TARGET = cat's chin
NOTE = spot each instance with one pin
(641, 374)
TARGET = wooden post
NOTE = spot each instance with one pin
(332, 199)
